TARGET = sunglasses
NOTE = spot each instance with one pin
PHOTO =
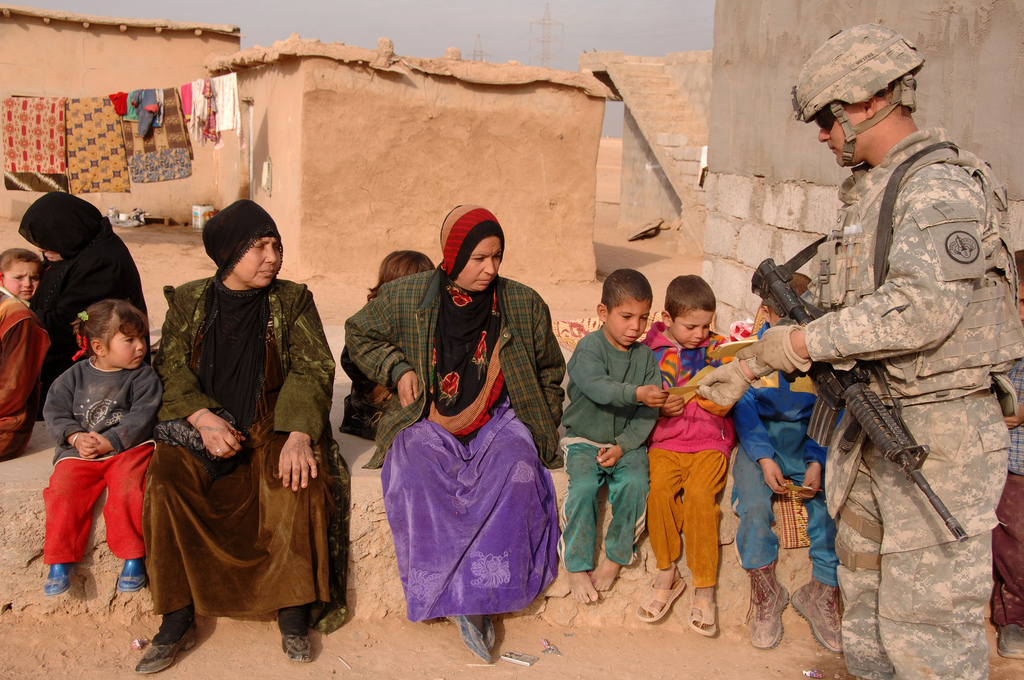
(825, 119)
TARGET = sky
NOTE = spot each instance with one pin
(507, 29)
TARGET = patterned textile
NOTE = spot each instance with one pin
(35, 181)
(33, 135)
(1016, 461)
(160, 166)
(166, 153)
(791, 520)
(96, 160)
(570, 331)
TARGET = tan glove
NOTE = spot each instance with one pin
(775, 350)
(727, 383)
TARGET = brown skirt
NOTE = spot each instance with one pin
(241, 545)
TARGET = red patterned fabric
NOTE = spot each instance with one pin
(33, 134)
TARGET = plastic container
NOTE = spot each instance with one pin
(200, 215)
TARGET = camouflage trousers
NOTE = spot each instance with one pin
(914, 598)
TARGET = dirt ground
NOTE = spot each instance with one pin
(37, 645)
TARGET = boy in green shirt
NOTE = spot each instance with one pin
(614, 392)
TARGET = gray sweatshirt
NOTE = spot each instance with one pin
(120, 405)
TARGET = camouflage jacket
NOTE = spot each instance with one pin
(394, 333)
(945, 316)
(304, 403)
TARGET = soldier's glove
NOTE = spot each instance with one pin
(775, 350)
(727, 383)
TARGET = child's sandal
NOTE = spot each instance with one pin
(648, 613)
(702, 616)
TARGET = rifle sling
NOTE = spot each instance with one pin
(883, 235)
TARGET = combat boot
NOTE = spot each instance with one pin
(768, 598)
(822, 606)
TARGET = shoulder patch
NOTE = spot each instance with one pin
(954, 230)
(962, 247)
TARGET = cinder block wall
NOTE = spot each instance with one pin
(772, 187)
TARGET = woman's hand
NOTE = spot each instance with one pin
(216, 433)
(296, 464)
(408, 388)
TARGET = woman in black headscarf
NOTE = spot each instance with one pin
(246, 500)
(86, 262)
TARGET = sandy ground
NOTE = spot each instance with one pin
(35, 645)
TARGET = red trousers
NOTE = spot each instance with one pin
(74, 487)
(1008, 555)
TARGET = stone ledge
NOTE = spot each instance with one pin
(374, 589)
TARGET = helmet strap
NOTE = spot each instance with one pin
(849, 132)
(902, 95)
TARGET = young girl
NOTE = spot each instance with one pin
(367, 401)
(101, 412)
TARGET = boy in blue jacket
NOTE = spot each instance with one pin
(771, 423)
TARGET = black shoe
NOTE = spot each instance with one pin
(472, 637)
(158, 657)
(296, 648)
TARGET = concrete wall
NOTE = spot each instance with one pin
(645, 192)
(385, 156)
(65, 59)
(771, 188)
(691, 72)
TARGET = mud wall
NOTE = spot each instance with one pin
(386, 155)
(66, 59)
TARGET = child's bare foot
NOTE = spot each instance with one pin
(582, 587)
(605, 574)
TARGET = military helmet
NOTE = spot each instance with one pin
(853, 65)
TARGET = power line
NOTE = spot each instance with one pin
(478, 50)
(546, 41)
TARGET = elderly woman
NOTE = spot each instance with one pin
(478, 375)
(246, 483)
(86, 262)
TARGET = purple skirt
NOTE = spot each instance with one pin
(475, 526)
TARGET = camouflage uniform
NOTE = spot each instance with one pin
(942, 321)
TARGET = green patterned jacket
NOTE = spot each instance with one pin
(304, 403)
(394, 333)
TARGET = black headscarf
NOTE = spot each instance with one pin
(231, 362)
(96, 265)
(62, 223)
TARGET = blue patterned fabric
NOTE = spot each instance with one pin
(1016, 464)
(160, 166)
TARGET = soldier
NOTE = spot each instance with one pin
(923, 286)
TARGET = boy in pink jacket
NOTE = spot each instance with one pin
(689, 453)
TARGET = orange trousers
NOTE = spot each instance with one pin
(700, 477)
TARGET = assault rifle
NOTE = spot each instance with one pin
(836, 389)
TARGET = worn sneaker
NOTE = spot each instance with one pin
(1011, 641)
